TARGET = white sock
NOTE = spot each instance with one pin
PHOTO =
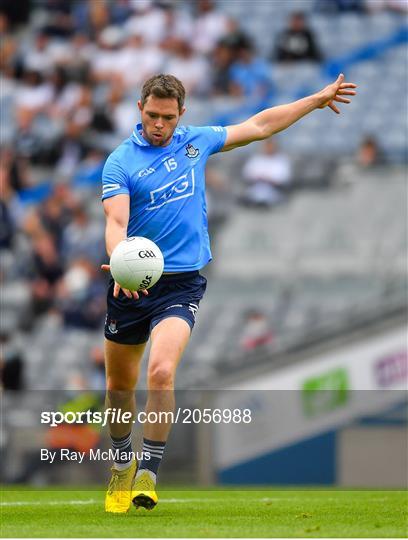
(150, 473)
(122, 466)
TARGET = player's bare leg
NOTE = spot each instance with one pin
(122, 372)
(169, 339)
(122, 363)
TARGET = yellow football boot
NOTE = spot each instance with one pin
(118, 497)
(143, 492)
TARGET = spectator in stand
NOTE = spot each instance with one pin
(59, 21)
(56, 212)
(117, 114)
(37, 57)
(18, 169)
(178, 25)
(250, 74)
(120, 11)
(47, 270)
(53, 219)
(35, 134)
(138, 61)
(81, 52)
(70, 151)
(209, 27)
(193, 69)
(67, 95)
(7, 225)
(106, 59)
(369, 153)
(33, 97)
(81, 295)
(12, 213)
(221, 61)
(16, 12)
(71, 145)
(90, 169)
(226, 52)
(148, 21)
(235, 37)
(80, 115)
(90, 18)
(297, 42)
(83, 238)
(11, 364)
(267, 175)
(257, 332)
(8, 45)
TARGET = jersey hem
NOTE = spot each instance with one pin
(186, 268)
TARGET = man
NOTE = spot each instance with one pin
(297, 42)
(267, 174)
(154, 186)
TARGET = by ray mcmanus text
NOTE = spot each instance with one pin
(93, 454)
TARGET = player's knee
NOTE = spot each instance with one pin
(119, 399)
(119, 386)
(161, 376)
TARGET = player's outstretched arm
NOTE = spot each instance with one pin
(117, 217)
(271, 121)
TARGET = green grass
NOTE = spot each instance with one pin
(213, 513)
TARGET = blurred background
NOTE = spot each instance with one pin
(305, 311)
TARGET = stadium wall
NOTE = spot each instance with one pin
(310, 420)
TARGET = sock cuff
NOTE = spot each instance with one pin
(149, 442)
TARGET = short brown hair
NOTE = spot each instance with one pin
(164, 86)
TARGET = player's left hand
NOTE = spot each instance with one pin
(117, 287)
(335, 92)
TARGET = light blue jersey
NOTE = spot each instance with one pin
(166, 186)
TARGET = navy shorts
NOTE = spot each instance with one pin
(130, 321)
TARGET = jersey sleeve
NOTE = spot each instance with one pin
(115, 180)
(214, 137)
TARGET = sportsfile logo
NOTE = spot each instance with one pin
(180, 188)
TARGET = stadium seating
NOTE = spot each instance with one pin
(347, 242)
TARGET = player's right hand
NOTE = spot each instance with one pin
(126, 292)
(336, 92)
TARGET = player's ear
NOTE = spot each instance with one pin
(139, 104)
(182, 111)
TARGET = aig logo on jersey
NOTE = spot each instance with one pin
(173, 191)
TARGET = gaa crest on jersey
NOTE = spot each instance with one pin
(112, 327)
(192, 152)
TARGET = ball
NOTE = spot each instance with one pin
(136, 263)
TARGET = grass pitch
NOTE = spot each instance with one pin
(215, 513)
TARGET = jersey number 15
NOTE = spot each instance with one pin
(170, 164)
